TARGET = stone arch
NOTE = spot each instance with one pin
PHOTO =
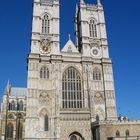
(93, 18)
(46, 13)
(44, 72)
(68, 66)
(75, 136)
(11, 116)
(43, 112)
(93, 31)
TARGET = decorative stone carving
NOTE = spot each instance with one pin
(98, 98)
(44, 98)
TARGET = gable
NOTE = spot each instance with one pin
(70, 47)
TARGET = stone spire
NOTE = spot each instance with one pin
(8, 88)
(69, 37)
(76, 10)
(82, 2)
(99, 2)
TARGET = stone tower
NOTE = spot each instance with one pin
(70, 89)
(91, 40)
(41, 84)
(45, 27)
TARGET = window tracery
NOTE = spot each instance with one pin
(92, 28)
(12, 106)
(72, 89)
(44, 73)
(46, 24)
(96, 74)
(10, 130)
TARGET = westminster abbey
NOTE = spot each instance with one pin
(70, 91)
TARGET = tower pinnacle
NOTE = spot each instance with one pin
(99, 2)
(82, 1)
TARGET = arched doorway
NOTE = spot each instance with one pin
(73, 137)
(76, 136)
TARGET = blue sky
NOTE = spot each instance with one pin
(123, 29)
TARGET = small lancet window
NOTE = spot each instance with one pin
(20, 106)
(92, 28)
(127, 133)
(10, 130)
(44, 73)
(46, 123)
(20, 130)
(117, 133)
(46, 24)
(96, 74)
(10, 106)
(13, 106)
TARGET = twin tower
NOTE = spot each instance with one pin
(89, 28)
(71, 88)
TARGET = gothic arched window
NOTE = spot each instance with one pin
(46, 123)
(117, 133)
(13, 106)
(44, 73)
(20, 106)
(10, 130)
(10, 106)
(96, 74)
(20, 130)
(72, 89)
(46, 24)
(92, 28)
(127, 133)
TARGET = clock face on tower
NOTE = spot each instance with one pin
(95, 51)
(45, 46)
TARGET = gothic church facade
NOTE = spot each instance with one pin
(69, 91)
(73, 87)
